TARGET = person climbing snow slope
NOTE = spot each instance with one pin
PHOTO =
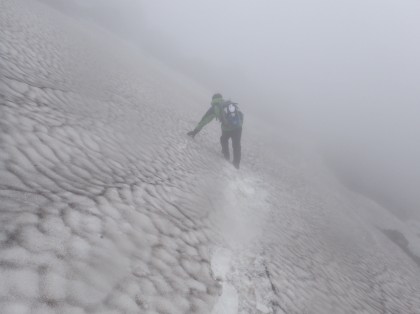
(231, 119)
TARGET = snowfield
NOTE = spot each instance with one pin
(107, 207)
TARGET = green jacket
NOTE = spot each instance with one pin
(215, 111)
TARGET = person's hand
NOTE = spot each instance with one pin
(192, 133)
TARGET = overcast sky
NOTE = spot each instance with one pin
(347, 71)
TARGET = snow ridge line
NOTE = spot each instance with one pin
(274, 303)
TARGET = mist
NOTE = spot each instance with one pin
(346, 73)
(118, 195)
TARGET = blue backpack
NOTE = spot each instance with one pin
(231, 116)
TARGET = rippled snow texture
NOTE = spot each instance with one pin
(106, 206)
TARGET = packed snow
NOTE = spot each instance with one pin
(107, 207)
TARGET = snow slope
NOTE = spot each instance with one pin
(107, 207)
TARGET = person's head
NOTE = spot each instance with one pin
(217, 99)
(217, 96)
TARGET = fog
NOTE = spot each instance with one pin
(345, 72)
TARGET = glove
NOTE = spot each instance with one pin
(192, 133)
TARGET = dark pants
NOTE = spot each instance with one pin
(236, 145)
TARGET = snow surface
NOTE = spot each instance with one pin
(107, 207)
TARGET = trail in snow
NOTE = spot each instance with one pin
(242, 212)
(221, 264)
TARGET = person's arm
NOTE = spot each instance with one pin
(207, 118)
